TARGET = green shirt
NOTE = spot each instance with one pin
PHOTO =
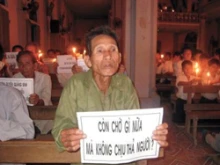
(81, 94)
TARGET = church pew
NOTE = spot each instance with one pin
(39, 150)
(198, 111)
(42, 112)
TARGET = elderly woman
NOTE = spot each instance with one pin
(99, 89)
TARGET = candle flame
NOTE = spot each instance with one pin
(84, 52)
(208, 74)
(40, 55)
(162, 56)
(197, 70)
(74, 50)
(54, 60)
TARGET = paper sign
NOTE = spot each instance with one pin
(81, 63)
(11, 58)
(65, 63)
(25, 85)
(115, 137)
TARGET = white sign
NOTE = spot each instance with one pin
(11, 58)
(25, 85)
(115, 137)
(65, 63)
(81, 63)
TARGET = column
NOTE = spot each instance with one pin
(42, 21)
(140, 38)
(189, 6)
(202, 35)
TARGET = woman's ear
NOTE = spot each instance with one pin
(87, 61)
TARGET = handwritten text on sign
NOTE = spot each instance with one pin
(65, 63)
(119, 136)
(24, 85)
(11, 58)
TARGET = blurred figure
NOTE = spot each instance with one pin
(176, 60)
(217, 54)
(41, 67)
(17, 48)
(15, 122)
(196, 55)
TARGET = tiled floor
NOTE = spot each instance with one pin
(181, 150)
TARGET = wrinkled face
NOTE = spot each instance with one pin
(26, 66)
(105, 58)
(188, 69)
(187, 55)
(213, 69)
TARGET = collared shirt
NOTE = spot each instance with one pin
(15, 122)
(81, 94)
(180, 93)
(42, 86)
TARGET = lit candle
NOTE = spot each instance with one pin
(196, 65)
(54, 60)
(208, 77)
(84, 52)
(197, 71)
(162, 56)
(74, 50)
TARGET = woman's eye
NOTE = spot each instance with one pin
(113, 49)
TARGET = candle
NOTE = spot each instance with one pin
(197, 71)
(74, 50)
(162, 56)
(54, 60)
(208, 77)
(84, 52)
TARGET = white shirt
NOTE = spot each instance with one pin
(42, 86)
(206, 80)
(15, 122)
(168, 67)
(63, 78)
(182, 78)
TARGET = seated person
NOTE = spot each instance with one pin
(212, 79)
(213, 139)
(15, 122)
(187, 78)
(42, 82)
(40, 66)
(99, 89)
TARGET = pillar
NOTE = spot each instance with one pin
(140, 48)
(189, 6)
(202, 34)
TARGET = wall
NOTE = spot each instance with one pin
(82, 26)
(166, 39)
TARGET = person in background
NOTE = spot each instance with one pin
(176, 60)
(41, 67)
(187, 78)
(217, 54)
(99, 89)
(187, 55)
(15, 122)
(196, 55)
(203, 64)
(17, 48)
(212, 79)
(42, 85)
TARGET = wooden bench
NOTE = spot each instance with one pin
(39, 150)
(166, 87)
(199, 111)
(42, 112)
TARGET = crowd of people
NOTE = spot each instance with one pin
(103, 86)
(191, 69)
